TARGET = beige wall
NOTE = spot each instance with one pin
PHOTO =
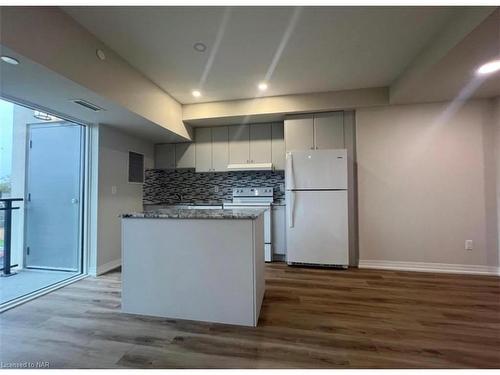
(497, 157)
(274, 108)
(53, 39)
(113, 148)
(427, 183)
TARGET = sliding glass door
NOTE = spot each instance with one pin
(42, 175)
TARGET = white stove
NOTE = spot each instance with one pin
(256, 197)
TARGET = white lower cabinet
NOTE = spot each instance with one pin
(278, 230)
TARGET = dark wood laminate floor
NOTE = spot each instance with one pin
(311, 318)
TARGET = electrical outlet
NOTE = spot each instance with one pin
(216, 189)
(468, 245)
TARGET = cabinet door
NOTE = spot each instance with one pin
(239, 144)
(329, 130)
(278, 146)
(260, 143)
(203, 147)
(165, 156)
(220, 149)
(278, 230)
(184, 155)
(299, 133)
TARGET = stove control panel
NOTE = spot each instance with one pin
(253, 192)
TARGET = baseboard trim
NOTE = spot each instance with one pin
(430, 267)
(106, 267)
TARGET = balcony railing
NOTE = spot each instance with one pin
(7, 232)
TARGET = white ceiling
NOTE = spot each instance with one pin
(330, 48)
(453, 75)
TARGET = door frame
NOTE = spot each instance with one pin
(81, 197)
(90, 200)
(90, 191)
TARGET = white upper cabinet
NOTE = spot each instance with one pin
(299, 133)
(315, 132)
(220, 149)
(203, 154)
(278, 146)
(216, 147)
(329, 130)
(239, 145)
(260, 143)
(165, 156)
(184, 155)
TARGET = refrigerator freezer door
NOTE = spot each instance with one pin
(316, 170)
(319, 233)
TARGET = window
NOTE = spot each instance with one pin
(135, 167)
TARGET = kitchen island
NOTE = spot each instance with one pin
(194, 264)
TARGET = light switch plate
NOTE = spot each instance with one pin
(113, 190)
(468, 245)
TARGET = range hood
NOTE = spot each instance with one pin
(250, 167)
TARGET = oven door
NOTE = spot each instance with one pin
(267, 224)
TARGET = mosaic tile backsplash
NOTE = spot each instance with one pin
(161, 186)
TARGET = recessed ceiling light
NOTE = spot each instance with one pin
(489, 67)
(9, 60)
(42, 116)
(200, 47)
(196, 93)
(262, 86)
(100, 54)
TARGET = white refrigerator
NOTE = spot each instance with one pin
(317, 207)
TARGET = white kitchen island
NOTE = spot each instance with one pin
(205, 265)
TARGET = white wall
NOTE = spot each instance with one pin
(113, 149)
(427, 183)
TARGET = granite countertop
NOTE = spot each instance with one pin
(190, 213)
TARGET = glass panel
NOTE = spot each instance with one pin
(6, 121)
(41, 162)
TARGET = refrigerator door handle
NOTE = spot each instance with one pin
(289, 168)
(290, 206)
